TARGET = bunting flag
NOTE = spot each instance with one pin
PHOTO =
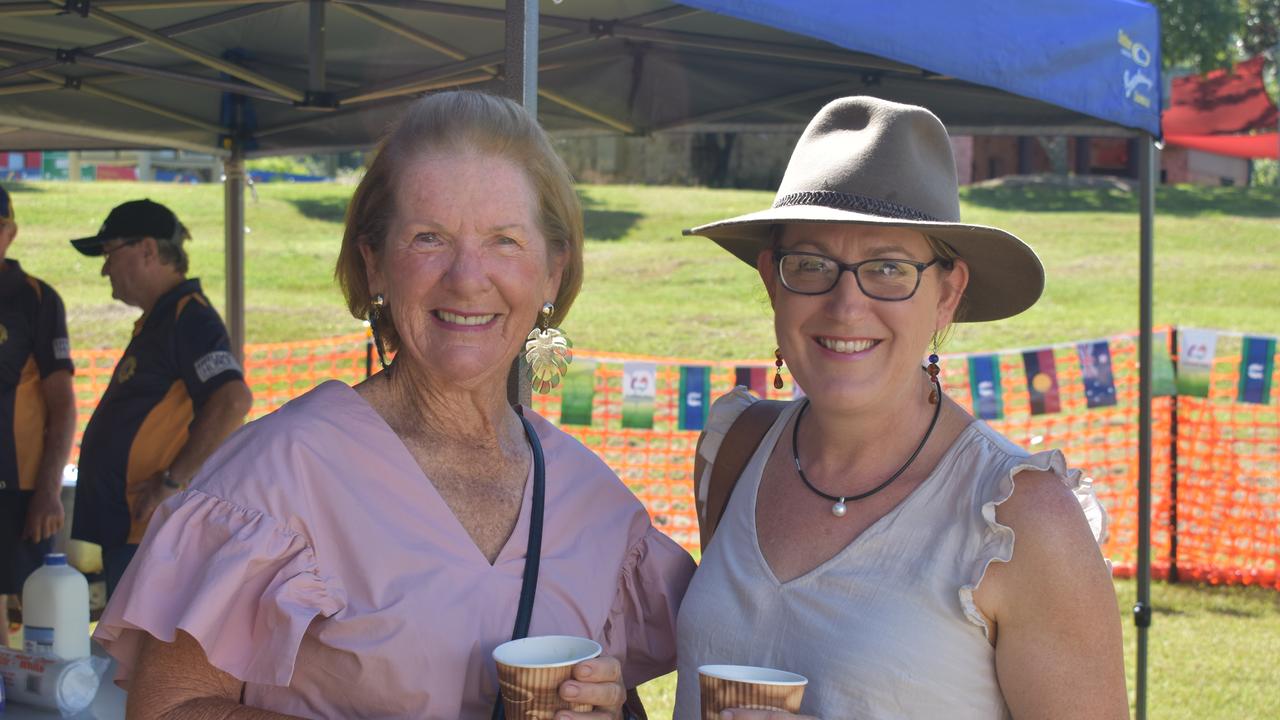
(579, 393)
(1257, 365)
(639, 388)
(1163, 382)
(1095, 372)
(1196, 350)
(755, 379)
(984, 386)
(695, 388)
(1042, 381)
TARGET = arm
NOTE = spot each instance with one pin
(220, 415)
(174, 681)
(45, 515)
(1053, 611)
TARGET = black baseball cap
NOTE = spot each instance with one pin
(134, 219)
(6, 205)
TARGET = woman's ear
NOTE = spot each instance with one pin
(372, 270)
(768, 270)
(953, 285)
(555, 273)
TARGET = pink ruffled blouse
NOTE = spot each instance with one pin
(314, 561)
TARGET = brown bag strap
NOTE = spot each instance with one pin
(739, 444)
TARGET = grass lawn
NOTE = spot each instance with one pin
(651, 291)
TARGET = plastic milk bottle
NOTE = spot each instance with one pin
(55, 610)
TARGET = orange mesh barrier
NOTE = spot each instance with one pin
(1224, 487)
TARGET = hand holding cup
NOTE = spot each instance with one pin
(542, 677)
(751, 693)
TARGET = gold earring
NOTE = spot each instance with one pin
(548, 352)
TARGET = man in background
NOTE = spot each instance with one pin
(37, 417)
(176, 394)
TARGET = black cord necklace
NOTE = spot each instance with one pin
(839, 509)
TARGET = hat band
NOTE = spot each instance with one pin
(857, 203)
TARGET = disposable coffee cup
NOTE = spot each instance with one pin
(531, 670)
(722, 687)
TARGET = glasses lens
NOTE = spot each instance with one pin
(888, 279)
(805, 273)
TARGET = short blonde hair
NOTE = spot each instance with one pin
(453, 121)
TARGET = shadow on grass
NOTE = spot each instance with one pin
(1183, 200)
(608, 225)
(324, 209)
(17, 186)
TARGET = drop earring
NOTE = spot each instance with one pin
(548, 352)
(777, 374)
(935, 392)
(377, 305)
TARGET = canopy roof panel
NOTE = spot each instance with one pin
(148, 73)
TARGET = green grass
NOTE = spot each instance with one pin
(649, 290)
(1212, 654)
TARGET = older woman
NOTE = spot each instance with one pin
(869, 542)
(361, 551)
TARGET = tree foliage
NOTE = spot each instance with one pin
(1210, 34)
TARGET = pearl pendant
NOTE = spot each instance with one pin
(839, 509)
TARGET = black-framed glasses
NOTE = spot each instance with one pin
(124, 243)
(888, 279)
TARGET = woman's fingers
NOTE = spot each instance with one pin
(596, 683)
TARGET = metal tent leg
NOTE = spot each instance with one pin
(1148, 160)
(233, 223)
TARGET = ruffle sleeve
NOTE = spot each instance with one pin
(641, 628)
(998, 539)
(240, 583)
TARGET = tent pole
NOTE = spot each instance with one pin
(520, 74)
(233, 225)
(1148, 160)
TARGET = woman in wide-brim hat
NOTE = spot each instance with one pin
(869, 542)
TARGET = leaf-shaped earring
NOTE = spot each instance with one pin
(548, 352)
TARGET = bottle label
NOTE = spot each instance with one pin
(37, 640)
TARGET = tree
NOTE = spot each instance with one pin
(1198, 33)
(1259, 27)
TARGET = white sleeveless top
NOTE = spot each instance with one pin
(887, 628)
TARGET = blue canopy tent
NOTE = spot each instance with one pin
(313, 75)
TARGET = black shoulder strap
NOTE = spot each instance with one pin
(739, 444)
(533, 550)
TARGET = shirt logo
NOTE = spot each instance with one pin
(128, 366)
(216, 362)
(61, 348)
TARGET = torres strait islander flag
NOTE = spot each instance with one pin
(1042, 381)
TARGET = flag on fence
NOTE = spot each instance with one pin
(579, 393)
(1196, 349)
(755, 379)
(639, 388)
(1163, 382)
(1257, 364)
(695, 388)
(1096, 373)
(1042, 381)
(984, 386)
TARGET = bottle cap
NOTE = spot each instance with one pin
(55, 559)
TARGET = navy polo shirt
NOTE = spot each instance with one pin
(179, 355)
(33, 345)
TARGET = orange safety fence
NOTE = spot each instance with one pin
(1223, 489)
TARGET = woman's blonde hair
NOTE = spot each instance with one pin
(450, 122)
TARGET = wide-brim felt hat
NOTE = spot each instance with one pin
(867, 161)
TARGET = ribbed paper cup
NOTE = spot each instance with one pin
(751, 688)
(531, 670)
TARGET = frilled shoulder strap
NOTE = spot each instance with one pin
(730, 459)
